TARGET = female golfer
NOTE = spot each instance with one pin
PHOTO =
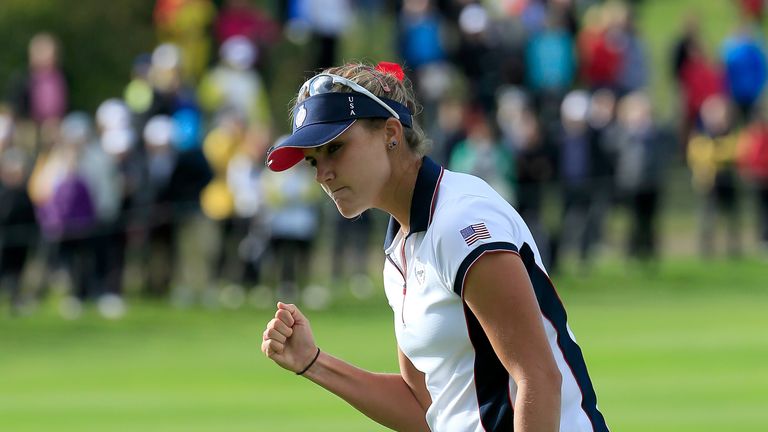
(482, 337)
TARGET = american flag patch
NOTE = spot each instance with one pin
(475, 232)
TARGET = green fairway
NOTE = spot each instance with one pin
(683, 349)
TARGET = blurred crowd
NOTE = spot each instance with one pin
(534, 96)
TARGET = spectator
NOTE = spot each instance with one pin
(160, 256)
(745, 70)
(534, 16)
(478, 56)
(640, 172)
(684, 45)
(185, 23)
(600, 46)
(250, 229)
(421, 34)
(633, 74)
(577, 228)
(351, 246)
(602, 132)
(40, 94)
(241, 18)
(232, 85)
(51, 166)
(421, 44)
(164, 75)
(447, 130)
(191, 173)
(753, 161)
(700, 79)
(217, 199)
(101, 176)
(18, 228)
(114, 175)
(294, 217)
(550, 70)
(481, 155)
(712, 159)
(535, 169)
(68, 217)
(550, 60)
(139, 95)
(325, 20)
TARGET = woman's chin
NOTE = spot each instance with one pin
(349, 212)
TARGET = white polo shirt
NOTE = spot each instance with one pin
(455, 219)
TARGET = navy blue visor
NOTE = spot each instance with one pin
(320, 119)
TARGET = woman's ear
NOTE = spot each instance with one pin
(393, 130)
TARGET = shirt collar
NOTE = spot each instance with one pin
(423, 201)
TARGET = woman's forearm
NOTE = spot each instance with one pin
(537, 406)
(385, 398)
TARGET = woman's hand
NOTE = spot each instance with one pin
(288, 339)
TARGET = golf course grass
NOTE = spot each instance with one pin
(682, 348)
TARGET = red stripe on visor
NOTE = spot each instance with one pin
(283, 158)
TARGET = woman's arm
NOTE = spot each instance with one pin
(415, 380)
(386, 398)
(499, 293)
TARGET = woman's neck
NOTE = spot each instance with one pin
(398, 193)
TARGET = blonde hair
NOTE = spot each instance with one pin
(383, 85)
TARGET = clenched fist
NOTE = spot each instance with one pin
(288, 339)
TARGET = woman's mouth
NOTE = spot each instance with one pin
(337, 190)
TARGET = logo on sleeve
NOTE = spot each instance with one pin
(475, 232)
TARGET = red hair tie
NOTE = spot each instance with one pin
(391, 69)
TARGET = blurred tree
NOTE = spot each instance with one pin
(98, 41)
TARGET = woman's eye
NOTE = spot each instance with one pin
(332, 148)
(311, 161)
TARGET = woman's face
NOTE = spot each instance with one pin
(353, 169)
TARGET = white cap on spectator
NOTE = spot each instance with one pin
(238, 52)
(76, 128)
(575, 106)
(473, 19)
(113, 114)
(166, 56)
(159, 131)
(117, 141)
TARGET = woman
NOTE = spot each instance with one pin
(482, 337)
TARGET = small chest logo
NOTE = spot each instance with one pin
(300, 117)
(420, 272)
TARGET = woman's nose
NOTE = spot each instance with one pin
(323, 171)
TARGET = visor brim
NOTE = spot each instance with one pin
(288, 153)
